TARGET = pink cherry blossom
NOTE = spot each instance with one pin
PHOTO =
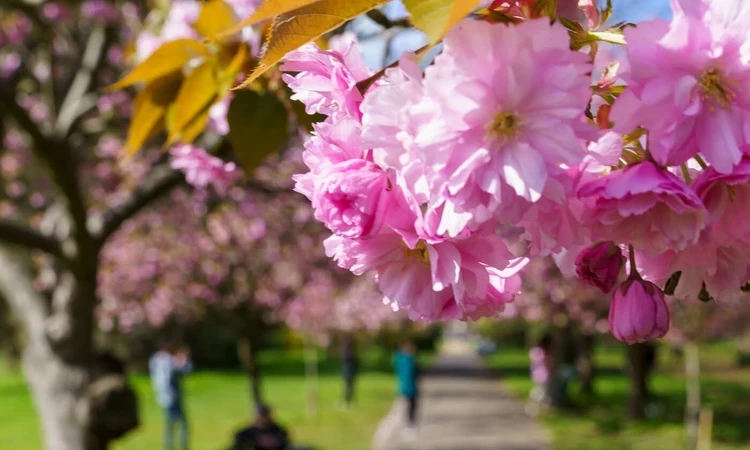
(202, 169)
(553, 223)
(722, 270)
(685, 83)
(727, 197)
(434, 280)
(325, 80)
(644, 206)
(498, 118)
(331, 143)
(352, 198)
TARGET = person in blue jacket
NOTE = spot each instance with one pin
(405, 364)
(167, 368)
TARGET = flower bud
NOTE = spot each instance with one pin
(600, 265)
(638, 312)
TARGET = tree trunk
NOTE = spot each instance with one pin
(640, 359)
(248, 349)
(586, 365)
(563, 364)
(57, 388)
(58, 354)
(693, 393)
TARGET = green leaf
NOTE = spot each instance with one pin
(436, 17)
(296, 28)
(257, 127)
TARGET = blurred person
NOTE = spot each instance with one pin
(167, 368)
(405, 363)
(540, 365)
(349, 367)
(263, 434)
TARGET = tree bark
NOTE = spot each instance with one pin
(586, 364)
(640, 359)
(248, 348)
(57, 384)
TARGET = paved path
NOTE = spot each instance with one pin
(463, 407)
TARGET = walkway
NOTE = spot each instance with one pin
(463, 407)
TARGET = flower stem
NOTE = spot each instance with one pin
(686, 173)
(700, 161)
(631, 256)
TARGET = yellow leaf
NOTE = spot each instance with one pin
(234, 66)
(198, 90)
(196, 126)
(215, 17)
(436, 17)
(294, 29)
(170, 57)
(149, 108)
(269, 9)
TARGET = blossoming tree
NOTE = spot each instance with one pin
(65, 194)
(524, 119)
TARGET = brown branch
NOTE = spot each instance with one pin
(160, 180)
(378, 17)
(17, 234)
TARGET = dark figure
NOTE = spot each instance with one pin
(167, 368)
(405, 362)
(263, 434)
(109, 405)
(349, 368)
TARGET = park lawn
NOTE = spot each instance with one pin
(598, 423)
(218, 403)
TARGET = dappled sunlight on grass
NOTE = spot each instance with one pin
(218, 403)
(597, 423)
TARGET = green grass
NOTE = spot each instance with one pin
(599, 423)
(218, 403)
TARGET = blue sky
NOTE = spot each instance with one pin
(379, 50)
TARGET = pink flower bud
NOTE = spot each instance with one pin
(600, 265)
(638, 312)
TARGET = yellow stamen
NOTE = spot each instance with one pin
(420, 252)
(732, 193)
(716, 88)
(504, 127)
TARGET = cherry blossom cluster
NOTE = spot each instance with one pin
(644, 164)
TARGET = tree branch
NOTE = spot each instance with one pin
(93, 54)
(381, 19)
(160, 180)
(10, 106)
(17, 234)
